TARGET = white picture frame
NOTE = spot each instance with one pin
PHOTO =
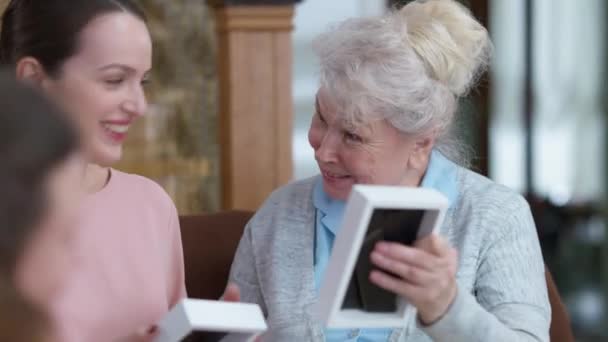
(365, 200)
(242, 322)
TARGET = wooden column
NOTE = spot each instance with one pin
(256, 107)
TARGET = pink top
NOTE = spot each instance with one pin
(129, 267)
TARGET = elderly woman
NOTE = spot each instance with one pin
(388, 94)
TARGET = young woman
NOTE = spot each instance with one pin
(93, 58)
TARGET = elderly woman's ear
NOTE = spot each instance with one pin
(421, 151)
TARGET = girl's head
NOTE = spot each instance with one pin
(91, 57)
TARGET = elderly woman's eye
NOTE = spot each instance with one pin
(320, 117)
(352, 137)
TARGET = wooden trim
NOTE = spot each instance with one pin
(256, 107)
(283, 108)
(254, 18)
(224, 123)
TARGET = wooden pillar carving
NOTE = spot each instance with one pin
(256, 107)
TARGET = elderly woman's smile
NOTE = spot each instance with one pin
(372, 152)
(336, 180)
(335, 177)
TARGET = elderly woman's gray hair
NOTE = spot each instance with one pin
(410, 67)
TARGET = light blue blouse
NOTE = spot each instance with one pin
(440, 175)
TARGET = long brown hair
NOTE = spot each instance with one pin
(49, 30)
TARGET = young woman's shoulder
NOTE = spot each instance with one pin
(141, 189)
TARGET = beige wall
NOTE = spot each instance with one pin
(176, 144)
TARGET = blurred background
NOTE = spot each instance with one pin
(537, 122)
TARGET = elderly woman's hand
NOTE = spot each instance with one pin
(146, 334)
(232, 293)
(425, 275)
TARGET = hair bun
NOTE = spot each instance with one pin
(454, 47)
